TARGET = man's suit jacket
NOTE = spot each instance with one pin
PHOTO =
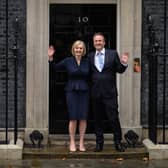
(104, 83)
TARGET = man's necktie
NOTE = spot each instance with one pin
(100, 61)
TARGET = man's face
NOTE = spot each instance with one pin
(98, 42)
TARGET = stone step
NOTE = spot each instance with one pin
(62, 152)
(58, 147)
(62, 139)
(87, 136)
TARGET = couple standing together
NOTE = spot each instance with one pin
(102, 65)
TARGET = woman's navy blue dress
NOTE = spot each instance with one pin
(77, 89)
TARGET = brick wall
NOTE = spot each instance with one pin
(16, 8)
(155, 8)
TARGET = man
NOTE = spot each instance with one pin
(105, 63)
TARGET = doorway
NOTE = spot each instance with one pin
(70, 22)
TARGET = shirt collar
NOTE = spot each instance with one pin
(102, 51)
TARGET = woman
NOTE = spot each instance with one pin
(77, 90)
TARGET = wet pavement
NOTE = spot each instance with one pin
(84, 163)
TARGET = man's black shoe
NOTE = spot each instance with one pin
(119, 147)
(99, 148)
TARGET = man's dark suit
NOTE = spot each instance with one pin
(104, 93)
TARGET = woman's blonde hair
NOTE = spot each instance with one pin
(75, 44)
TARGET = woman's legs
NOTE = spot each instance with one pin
(82, 130)
(72, 132)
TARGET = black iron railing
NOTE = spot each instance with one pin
(153, 60)
(164, 80)
(153, 55)
(6, 60)
(15, 54)
(6, 114)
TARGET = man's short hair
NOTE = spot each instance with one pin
(99, 34)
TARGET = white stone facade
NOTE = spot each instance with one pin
(37, 76)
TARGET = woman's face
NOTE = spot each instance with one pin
(78, 50)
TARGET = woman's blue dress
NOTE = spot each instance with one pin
(77, 89)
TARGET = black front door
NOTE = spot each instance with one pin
(70, 22)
